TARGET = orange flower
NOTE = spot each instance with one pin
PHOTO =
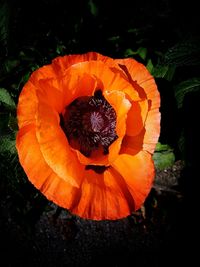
(88, 125)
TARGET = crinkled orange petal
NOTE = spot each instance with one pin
(108, 80)
(138, 73)
(61, 63)
(27, 105)
(45, 72)
(54, 145)
(39, 173)
(50, 93)
(61, 91)
(103, 196)
(76, 84)
(136, 117)
(114, 149)
(121, 106)
(152, 133)
(132, 144)
(92, 198)
(138, 173)
(119, 202)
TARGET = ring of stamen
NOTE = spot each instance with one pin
(89, 123)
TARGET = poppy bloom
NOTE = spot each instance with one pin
(88, 126)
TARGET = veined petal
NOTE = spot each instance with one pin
(61, 63)
(114, 149)
(138, 173)
(103, 196)
(27, 105)
(54, 146)
(92, 198)
(138, 73)
(106, 78)
(60, 91)
(75, 84)
(152, 133)
(39, 173)
(45, 72)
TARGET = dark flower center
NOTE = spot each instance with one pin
(89, 123)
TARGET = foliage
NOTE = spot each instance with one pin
(185, 87)
(163, 157)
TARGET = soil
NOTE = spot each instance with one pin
(153, 236)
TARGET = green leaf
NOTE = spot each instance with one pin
(165, 71)
(149, 65)
(142, 52)
(12, 123)
(191, 85)
(10, 64)
(160, 147)
(93, 8)
(163, 156)
(129, 52)
(7, 144)
(184, 53)
(6, 98)
(163, 160)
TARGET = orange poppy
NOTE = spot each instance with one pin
(88, 126)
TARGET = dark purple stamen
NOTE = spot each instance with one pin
(89, 123)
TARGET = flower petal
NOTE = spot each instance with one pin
(132, 144)
(54, 145)
(97, 158)
(39, 173)
(61, 63)
(138, 73)
(152, 133)
(45, 72)
(138, 173)
(27, 105)
(136, 117)
(103, 196)
(61, 91)
(107, 79)
(121, 106)
(76, 84)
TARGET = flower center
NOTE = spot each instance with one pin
(89, 123)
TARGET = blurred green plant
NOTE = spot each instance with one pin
(4, 26)
(185, 87)
(163, 157)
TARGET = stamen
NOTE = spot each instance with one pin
(90, 123)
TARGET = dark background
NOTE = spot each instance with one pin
(33, 232)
